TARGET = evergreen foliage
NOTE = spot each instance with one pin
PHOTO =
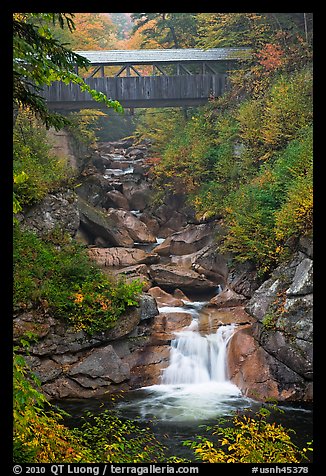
(40, 59)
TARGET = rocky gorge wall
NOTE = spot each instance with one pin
(274, 356)
(113, 214)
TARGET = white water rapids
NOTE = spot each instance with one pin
(197, 359)
(195, 385)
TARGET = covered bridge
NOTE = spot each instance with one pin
(150, 78)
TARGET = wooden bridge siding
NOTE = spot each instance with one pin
(144, 89)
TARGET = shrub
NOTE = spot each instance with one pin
(32, 156)
(251, 439)
(38, 433)
(288, 108)
(276, 204)
(250, 117)
(64, 280)
(117, 440)
(250, 222)
(41, 437)
(295, 218)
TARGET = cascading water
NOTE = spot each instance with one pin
(196, 359)
(194, 386)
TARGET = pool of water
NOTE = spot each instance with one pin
(194, 393)
(179, 413)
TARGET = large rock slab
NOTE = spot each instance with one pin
(99, 223)
(258, 375)
(115, 199)
(212, 264)
(147, 365)
(172, 277)
(163, 298)
(163, 249)
(120, 256)
(192, 238)
(167, 324)
(303, 279)
(283, 309)
(228, 298)
(101, 367)
(175, 222)
(136, 229)
(243, 278)
(212, 318)
(137, 192)
(94, 188)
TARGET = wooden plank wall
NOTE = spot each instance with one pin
(144, 88)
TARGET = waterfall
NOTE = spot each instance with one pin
(197, 359)
(194, 386)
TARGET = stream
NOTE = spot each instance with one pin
(194, 390)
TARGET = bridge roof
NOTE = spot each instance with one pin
(186, 55)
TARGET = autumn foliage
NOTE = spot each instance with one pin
(271, 57)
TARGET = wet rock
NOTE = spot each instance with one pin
(248, 367)
(283, 309)
(211, 318)
(147, 365)
(228, 298)
(167, 324)
(163, 298)
(257, 373)
(177, 293)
